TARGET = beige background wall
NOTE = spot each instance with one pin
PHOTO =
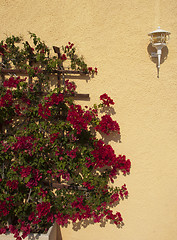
(112, 35)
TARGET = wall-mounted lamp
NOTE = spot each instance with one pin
(159, 39)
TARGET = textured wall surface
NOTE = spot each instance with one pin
(112, 35)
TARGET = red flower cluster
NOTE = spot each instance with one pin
(53, 137)
(73, 153)
(44, 110)
(87, 185)
(116, 218)
(103, 155)
(25, 171)
(91, 70)
(115, 198)
(63, 57)
(55, 99)
(12, 82)
(43, 209)
(25, 228)
(2, 48)
(15, 231)
(42, 193)
(120, 164)
(36, 176)
(61, 219)
(85, 212)
(6, 100)
(12, 184)
(5, 206)
(37, 70)
(123, 191)
(107, 101)
(71, 87)
(70, 45)
(78, 118)
(23, 143)
(65, 175)
(3, 230)
(123, 164)
(107, 125)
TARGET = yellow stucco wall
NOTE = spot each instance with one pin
(112, 35)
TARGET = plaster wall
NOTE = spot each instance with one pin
(112, 35)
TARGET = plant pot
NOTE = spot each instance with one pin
(52, 234)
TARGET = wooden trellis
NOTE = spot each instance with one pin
(60, 71)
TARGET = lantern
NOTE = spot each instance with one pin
(159, 39)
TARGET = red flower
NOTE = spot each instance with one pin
(25, 172)
(3, 230)
(43, 209)
(12, 184)
(6, 100)
(12, 82)
(31, 217)
(53, 137)
(107, 125)
(90, 69)
(103, 155)
(78, 118)
(55, 99)
(106, 100)
(23, 143)
(63, 57)
(71, 87)
(35, 179)
(87, 185)
(44, 111)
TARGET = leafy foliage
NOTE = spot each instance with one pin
(52, 165)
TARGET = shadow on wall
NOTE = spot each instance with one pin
(116, 137)
(151, 49)
(84, 223)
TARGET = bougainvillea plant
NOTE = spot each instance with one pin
(53, 166)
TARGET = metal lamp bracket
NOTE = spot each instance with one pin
(154, 55)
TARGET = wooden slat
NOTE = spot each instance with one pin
(30, 61)
(57, 50)
(69, 71)
(78, 96)
(67, 186)
(13, 71)
(22, 71)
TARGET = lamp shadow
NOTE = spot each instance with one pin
(151, 49)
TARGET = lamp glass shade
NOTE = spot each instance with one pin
(159, 36)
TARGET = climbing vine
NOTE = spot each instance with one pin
(53, 167)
